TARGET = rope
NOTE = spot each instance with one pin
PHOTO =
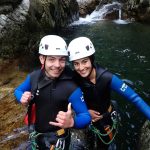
(32, 136)
(100, 135)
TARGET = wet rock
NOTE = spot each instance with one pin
(10, 1)
(144, 139)
(87, 6)
(11, 112)
(29, 20)
(6, 9)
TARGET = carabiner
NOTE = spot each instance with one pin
(114, 115)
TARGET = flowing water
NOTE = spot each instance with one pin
(125, 50)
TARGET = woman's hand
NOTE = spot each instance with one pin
(95, 115)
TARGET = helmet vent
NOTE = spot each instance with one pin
(77, 52)
(46, 47)
(87, 47)
(68, 53)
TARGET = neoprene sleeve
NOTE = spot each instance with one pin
(25, 86)
(82, 117)
(128, 93)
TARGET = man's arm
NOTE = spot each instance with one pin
(22, 92)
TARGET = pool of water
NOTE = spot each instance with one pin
(125, 50)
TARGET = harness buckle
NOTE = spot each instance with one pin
(114, 116)
(60, 132)
(60, 144)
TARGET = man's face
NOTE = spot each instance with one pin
(83, 66)
(54, 65)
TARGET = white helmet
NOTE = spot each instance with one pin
(79, 48)
(53, 45)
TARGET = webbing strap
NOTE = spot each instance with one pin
(34, 77)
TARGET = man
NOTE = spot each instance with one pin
(51, 89)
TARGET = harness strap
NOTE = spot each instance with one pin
(30, 116)
(109, 130)
(110, 109)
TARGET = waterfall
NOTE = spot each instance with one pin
(119, 20)
(99, 13)
(120, 13)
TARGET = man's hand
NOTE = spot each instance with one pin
(95, 115)
(64, 119)
(26, 97)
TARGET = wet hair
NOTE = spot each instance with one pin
(92, 59)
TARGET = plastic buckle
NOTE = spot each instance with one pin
(60, 132)
(114, 115)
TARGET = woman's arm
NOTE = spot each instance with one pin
(128, 93)
(82, 116)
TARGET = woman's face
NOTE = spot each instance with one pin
(83, 66)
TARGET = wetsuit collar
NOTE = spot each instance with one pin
(67, 74)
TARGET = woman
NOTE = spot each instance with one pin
(97, 83)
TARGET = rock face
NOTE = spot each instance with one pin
(26, 21)
(138, 9)
(53, 13)
(87, 6)
(144, 140)
(11, 27)
(11, 112)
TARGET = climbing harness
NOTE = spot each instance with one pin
(60, 144)
(109, 130)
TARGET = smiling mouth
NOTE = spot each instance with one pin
(56, 72)
(83, 71)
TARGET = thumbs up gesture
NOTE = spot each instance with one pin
(64, 119)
